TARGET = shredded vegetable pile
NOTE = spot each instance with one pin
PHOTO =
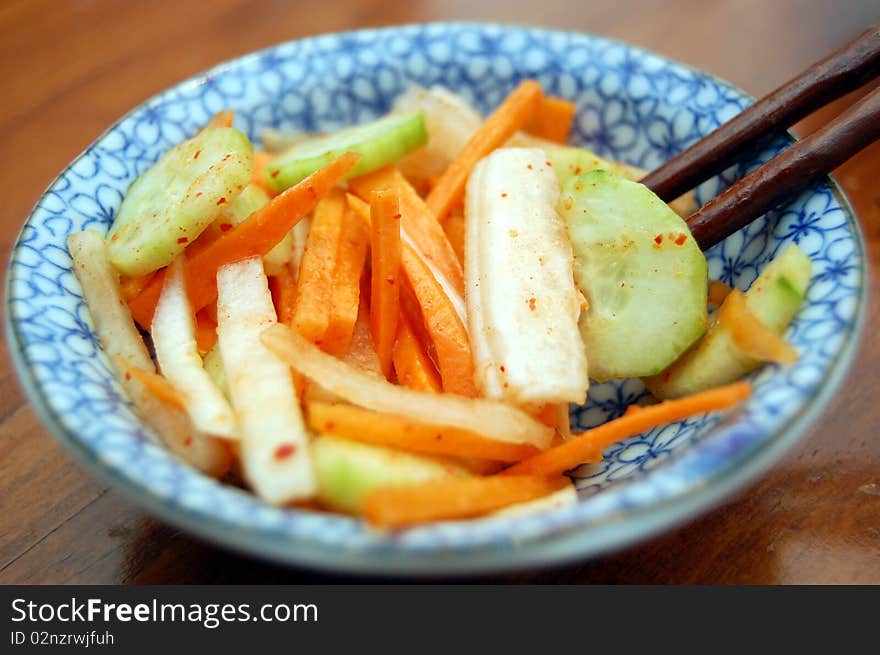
(391, 320)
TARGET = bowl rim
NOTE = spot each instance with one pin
(570, 544)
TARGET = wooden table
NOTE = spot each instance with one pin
(69, 69)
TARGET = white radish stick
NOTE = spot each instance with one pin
(124, 347)
(174, 338)
(274, 442)
(522, 301)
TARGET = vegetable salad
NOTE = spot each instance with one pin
(391, 320)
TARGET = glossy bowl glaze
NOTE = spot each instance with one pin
(632, 105)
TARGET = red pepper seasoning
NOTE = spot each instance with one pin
(284, 451)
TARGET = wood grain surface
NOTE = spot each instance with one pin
(70, 68)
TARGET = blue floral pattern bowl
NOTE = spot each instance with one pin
(632, 105)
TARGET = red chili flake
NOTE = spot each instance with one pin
(531, 167)
(501, 368)
(198, 194)
(221, 201)
(198, 152)
(666, 376)
(128, 375)
(503, 195)
(549, 164)
(284, 451)
(506, 385)
(390, 280)
(658, 239)
(532, 302)
(329, 425)
(275, 173)
(680, 239)
(225, 227)
(396, 217)
(578, 170)
(188, 441)
(182, 240)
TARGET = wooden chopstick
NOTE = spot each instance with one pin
(792, 169)
(844, 70)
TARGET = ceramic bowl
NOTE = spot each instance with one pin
(633, 106)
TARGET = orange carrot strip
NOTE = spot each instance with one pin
(400, 432)
(717, 292)
(453, 226)
(412, 365)
(442, 323)
(385, 282)
(516, 110)
(253, 237)
(398, 507)
(314, 293)
(261, 159)
(350, 262)
(283, 288)
(222, 118)
(589, 445)
(206, 332)
(750, 335)
(161, 388)
(548, 414)
(433, 319)
(131, 286)
(553, 119)
(416, 220)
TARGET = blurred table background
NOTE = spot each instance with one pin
(71, 68)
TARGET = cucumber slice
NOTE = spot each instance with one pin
(174, 201)
(346, 470)
(641, 271)
(568, 162)
(774, 298)
(378, 143)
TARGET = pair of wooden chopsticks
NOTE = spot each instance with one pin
(795, 167)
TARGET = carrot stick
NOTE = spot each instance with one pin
(161, 388)
(385, 281)
(516, 110)
(412, 365)
(433, 316)
(255, 236)
(261, 159)
(750, 335)
(416, 220)
(400, 432)
(548, 414)
(131, 286)
(588, 446)
(283, 288)
(222, 118)
(314, 293)
(453, 226)
(350, 262)
(206, 332)
(553, 119)
(717, 293)
(398, 507)
(448, 334)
